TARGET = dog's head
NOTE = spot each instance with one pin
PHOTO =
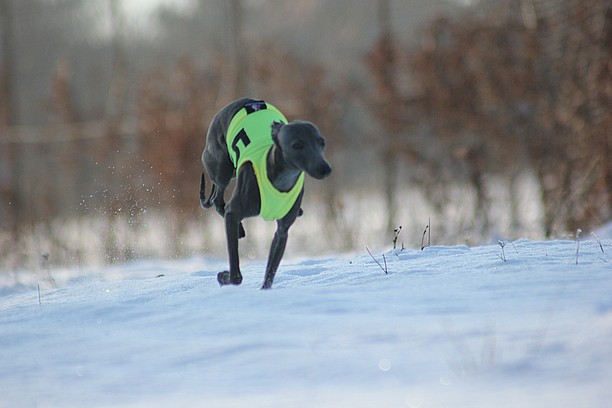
(302, 145)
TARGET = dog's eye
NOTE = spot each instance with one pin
(298, 145)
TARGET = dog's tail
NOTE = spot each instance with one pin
(203, 201)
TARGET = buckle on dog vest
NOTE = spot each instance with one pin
(255, 106)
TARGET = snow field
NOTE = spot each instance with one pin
(447, 326)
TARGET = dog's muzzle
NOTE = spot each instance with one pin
(322, 171)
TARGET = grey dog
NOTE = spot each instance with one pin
(251, 141)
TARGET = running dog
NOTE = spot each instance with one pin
(251, 140)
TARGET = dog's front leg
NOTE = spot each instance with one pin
(280, 242)
(276, 254)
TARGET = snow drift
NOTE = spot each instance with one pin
(447, 326)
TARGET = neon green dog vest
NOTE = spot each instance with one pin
(249, 139)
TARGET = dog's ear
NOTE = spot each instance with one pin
(276, 127)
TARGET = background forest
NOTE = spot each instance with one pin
(483, 119)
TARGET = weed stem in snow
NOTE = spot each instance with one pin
(396, 233)
(578, 232)
(378, 263)
(502, 244)
(427, 231)
(599, 242)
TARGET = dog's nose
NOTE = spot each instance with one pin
(325, 170)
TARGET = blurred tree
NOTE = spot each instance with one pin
(174, 110)
(237, 52)
(42, 31)
(10, 194)
(116, 99)
(477, 90)
(8, 104)
(572, 150)
(390, 104)
(498, 90)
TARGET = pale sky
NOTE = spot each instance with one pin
(140, 7)
(138, 14)
(140, 10)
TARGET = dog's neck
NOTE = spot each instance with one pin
(282, 175)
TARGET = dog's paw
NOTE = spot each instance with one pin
(225, 278)
(241, 231)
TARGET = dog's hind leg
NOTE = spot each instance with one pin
(241, 205)
(213, 199)
(216, 197)
(233, 276)
(221, 171)
(203, 201)
(219, 203)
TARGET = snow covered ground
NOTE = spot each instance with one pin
(446, 327)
